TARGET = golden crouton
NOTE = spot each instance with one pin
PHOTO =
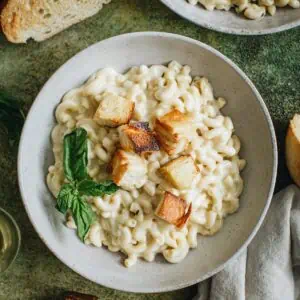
(114, 110)
(172, 210)
(169, 147)
(171, 128)
(137, 137)
(180, 172)
(172, 124)
(128, 170)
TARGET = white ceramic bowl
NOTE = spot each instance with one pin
(230, 22)
(253, 125)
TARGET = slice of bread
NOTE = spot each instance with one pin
(41, 19)
(292, 148)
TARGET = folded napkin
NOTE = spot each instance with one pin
(269, 269)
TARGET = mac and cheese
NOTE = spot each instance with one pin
(126, 221)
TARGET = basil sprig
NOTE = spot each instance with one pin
(72, 195)
(75, 155)
(91, 188)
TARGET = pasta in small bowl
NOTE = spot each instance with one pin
(145, 171)
(243, 17)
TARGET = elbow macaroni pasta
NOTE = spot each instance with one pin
(126, 221)
(252, 10)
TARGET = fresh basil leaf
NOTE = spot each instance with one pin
(69, 198)
(83, 216)
(92, 188)
(76, 155)
(75, 170)
(108, 183)
(67, 195)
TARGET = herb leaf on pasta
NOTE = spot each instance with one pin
(72, 195)
(75, 155)
(92, 188)
(83, 216)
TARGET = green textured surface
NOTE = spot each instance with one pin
(272, 63)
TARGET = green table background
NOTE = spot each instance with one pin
(271, 62)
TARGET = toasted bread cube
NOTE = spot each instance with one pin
(129, 170)
(180, 172)
(173, 124)
(182, 221)
(170, 147)
(172, 209)
(137, 137)
(172, 128)
(114, 110)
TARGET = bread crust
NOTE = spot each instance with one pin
(129, 170)
(119, 166)
(167, 124)
(10, 22)
(172, 210)
(293, 151)
(41, 19)
(137, 137)
(170, 129)
(169, 147)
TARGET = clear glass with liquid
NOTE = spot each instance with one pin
(10, 240)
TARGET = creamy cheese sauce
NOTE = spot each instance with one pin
(126, 221)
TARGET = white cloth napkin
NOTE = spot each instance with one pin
(270, 267)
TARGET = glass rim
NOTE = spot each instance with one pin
(18, 233)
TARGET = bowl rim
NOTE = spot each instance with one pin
(227, 30)
(260, 101)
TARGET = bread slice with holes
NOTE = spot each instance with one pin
(41, 19)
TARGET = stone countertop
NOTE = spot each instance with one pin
(271, 62)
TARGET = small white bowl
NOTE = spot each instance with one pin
(253, 125)
(230, 22)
